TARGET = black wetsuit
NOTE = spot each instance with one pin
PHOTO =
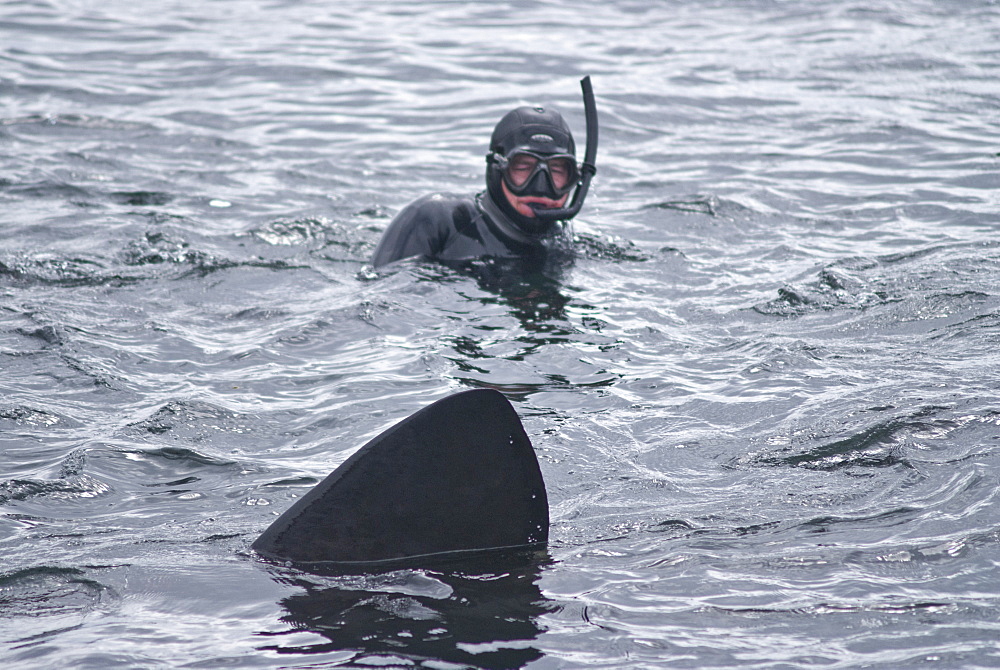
(454, 230)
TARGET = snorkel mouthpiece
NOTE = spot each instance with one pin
(587, 169)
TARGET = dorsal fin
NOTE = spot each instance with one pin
(458, 475)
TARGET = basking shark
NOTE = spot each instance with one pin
(457, 477)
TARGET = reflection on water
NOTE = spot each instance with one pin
(481, 612)
(533, 294)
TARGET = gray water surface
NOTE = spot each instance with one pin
(764, 396)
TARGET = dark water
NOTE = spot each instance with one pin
(764, 397)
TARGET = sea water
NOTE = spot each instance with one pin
(763, 397)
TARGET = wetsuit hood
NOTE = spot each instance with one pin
(540, 130)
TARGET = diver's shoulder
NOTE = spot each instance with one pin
(436, 209)
(441, 202)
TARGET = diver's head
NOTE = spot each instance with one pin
(531, 165)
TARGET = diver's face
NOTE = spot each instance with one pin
(522, 204)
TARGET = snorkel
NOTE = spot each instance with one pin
(587, 169)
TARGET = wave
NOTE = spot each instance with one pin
(190, 419)
(50, 591)
(880, 445)
(78, 487)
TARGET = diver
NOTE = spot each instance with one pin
(531, 172)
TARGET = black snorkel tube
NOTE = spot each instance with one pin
(587, 169)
